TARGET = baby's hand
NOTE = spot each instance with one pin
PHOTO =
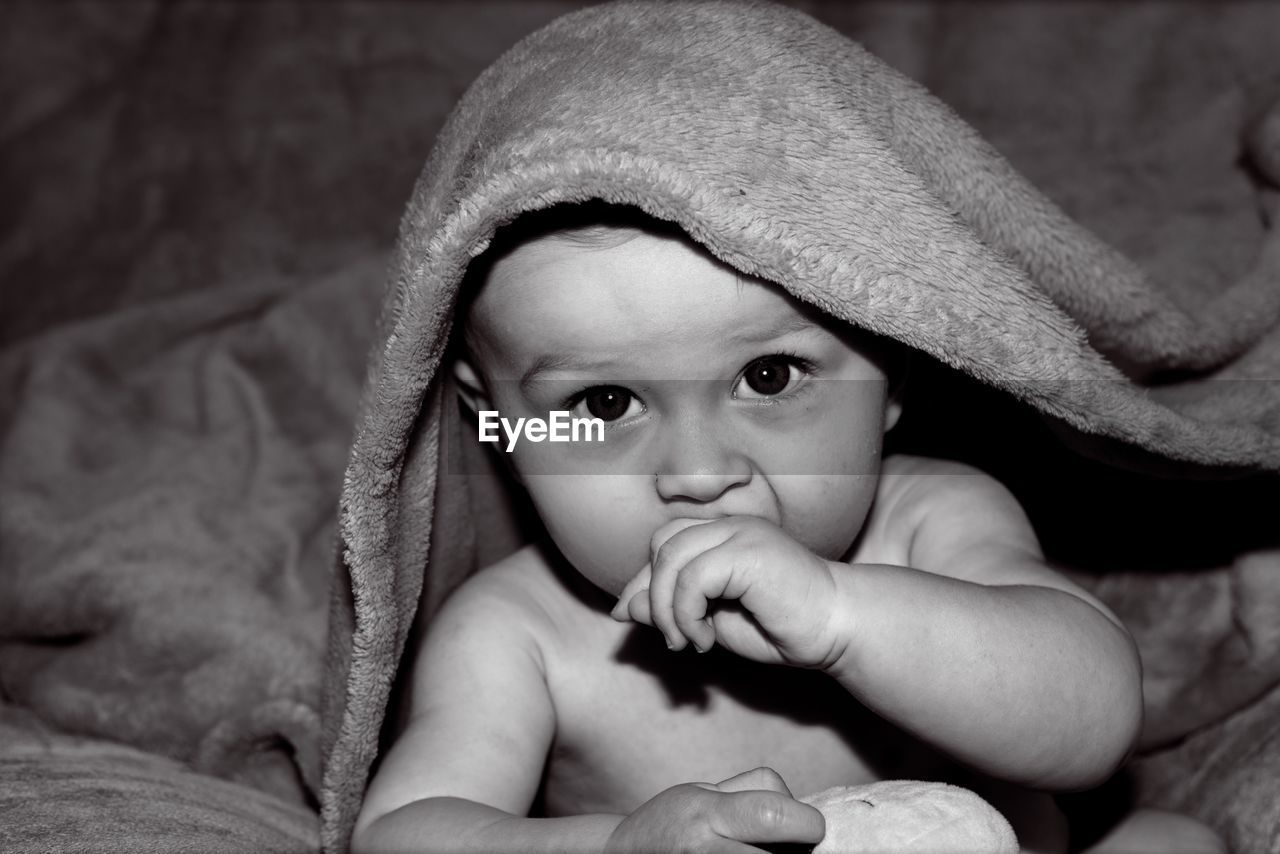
(755, 807)
(781, 596)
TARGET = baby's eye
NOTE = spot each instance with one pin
(606, 402)
(769, 376)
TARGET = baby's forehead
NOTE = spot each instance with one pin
(546, 235)
(605, 278)
(595, 280)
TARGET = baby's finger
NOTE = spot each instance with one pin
(669, 530)
(638, 582)
(763, 817)
(661, 591)
(638, 608)
(706, 578)
(757, 779)
(673, 545)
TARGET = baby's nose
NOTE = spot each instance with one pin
(698, 467)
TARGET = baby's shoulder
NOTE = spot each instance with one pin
(519, 587)
(522, 598)
(928, 484)
(938, 505)
(910, 482)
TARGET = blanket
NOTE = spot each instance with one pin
(791, 154)
(165, 533)
(60, 792)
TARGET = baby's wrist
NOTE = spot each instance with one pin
(844, 622)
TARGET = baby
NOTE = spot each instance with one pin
(737, 598)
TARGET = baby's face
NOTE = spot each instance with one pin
(721, 395)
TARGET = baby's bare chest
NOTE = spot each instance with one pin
(640, 719)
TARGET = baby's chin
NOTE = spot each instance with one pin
(612, 582)
(605, 575)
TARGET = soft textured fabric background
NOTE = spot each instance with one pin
(197, 199)
(151, 147)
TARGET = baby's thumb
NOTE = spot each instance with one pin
(669, 530)
(763, 816)
(633, 601)
(757, 779)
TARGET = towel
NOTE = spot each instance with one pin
(792, 154)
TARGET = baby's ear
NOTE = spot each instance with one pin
(892, 412)
(901, 367)
(475, 396)
(470, 387)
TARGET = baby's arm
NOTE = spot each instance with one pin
(462, 776)
(471, 756)
(980, 649)
(1008, 665)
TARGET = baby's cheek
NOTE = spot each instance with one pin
(826, 514)
(608, 558)
(606, 543)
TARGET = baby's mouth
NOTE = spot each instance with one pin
(700, 515)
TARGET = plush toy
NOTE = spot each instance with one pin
(910, 817)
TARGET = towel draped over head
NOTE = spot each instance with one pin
(791, 154)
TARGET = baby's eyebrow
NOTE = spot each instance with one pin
(548, 362)
(786, 326)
